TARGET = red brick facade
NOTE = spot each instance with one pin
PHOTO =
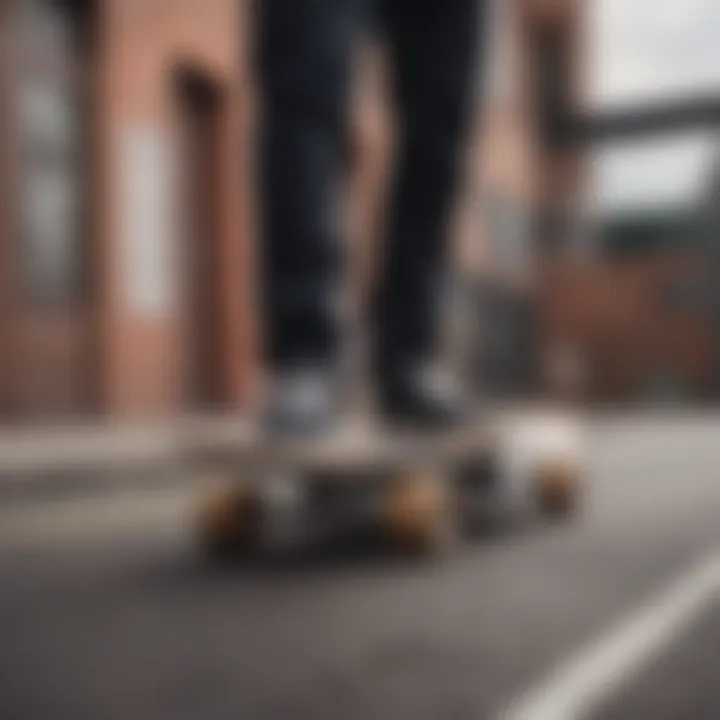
(121, 346)
(631, 326)
(142, 46)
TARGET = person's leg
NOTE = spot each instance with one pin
(305, 50)
(305, 58)
(433, 49)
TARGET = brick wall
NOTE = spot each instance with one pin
(628, 330)
(140, 349)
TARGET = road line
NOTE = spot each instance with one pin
(578, 685)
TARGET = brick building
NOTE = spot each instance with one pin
(126, 243)
(122, 235)
(642, 325)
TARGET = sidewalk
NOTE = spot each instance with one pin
(77, 458)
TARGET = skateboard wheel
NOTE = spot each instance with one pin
(228, 520)
(418, 514)
(558, 488)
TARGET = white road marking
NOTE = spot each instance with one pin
(577, 686)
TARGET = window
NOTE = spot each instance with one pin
(552, 86)
(48, 118)
(508, 228)
(501, 56)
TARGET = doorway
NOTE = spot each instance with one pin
(201, 112)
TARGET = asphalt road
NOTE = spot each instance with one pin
(107, 612)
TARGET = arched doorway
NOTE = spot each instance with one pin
(201, 112)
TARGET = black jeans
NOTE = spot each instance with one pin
(305, 55)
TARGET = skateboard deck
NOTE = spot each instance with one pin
(356, 444)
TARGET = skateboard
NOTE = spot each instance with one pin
(414, 489)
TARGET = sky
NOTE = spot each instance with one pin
(645, 50)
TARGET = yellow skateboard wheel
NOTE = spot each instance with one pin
(227, 522)
(418, 513)
(558, 488)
